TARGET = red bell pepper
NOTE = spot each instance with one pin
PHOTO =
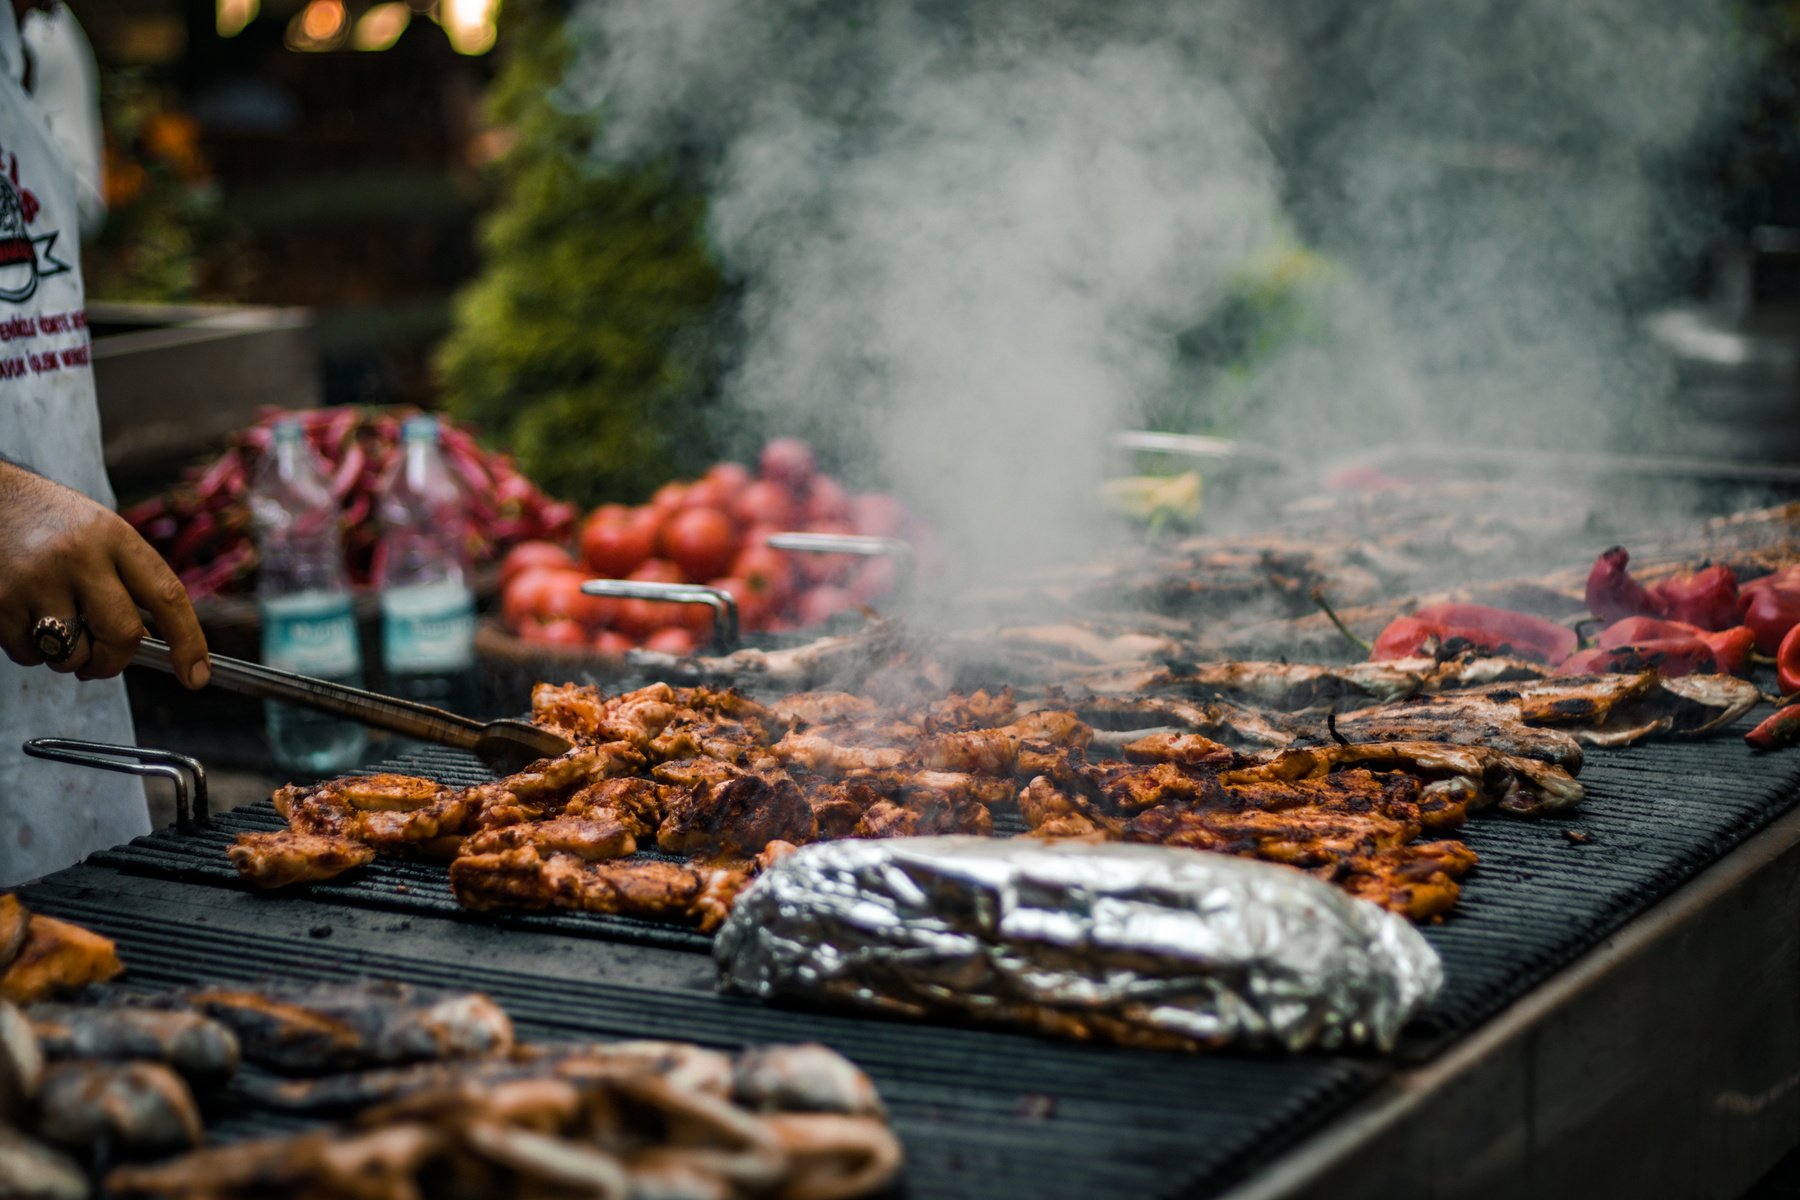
(1489, 630)
(1668, 657)
(1781, 729)
(1731, 648)
(1612, 594)
(1772, 611)
(1787, 663)
(1707, 597)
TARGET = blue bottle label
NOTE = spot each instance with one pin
(428, 627)
(313, 633)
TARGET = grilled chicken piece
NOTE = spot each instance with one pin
(30, 1170)
(1189, 749)
(838, 804)
(694, 772)
(1418, 881)
(736, 817)
(554, 778)
(1054, 813)
(589, 836)
(15, 920)
(21, 1064)
(1216, 719)
(1056, 726)
(324, 1165)
(693, 739)
(1132, 787)
(1303, 837)
(822, 708)
(773, 853)
(802, 1078)
(340, 1027)
(203, 1050)
(523, 878)
(451, 815)
(586, 714)
(1524, 786)
(979, 709)
(135, 1109)
(977, 751)
(1457, 718)
(283, 857)
(363, 793)
(1299, 686)
(825, 757)
(1687, 706)
(57, 956)
(1572, 700)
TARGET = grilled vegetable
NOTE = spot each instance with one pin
(1781, 729)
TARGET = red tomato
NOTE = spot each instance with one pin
(733, 477)
(753, 606)
(523, 600)
(671, 639)
(616, 547)
(787, 460)
(611, 641)
(561, 598)
(555, 633)
(827, 568)
(668, 497)
(874, 514)
(707, 492)
(701, 541)
(610, 512)
(641, 616)
(526, 555)
(827, 501)
(765, 503)
(820, 604)
(635, 618)
(769, 572)
(658, 570)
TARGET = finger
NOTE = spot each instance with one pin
(114, 627)
(15, 636)
(152, 584)
(63, 607)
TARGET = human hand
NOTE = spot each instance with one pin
(62, 555)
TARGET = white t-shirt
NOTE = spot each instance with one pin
(51, 815)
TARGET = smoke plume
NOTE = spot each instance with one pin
(975, 239)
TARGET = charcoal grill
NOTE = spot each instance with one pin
(990, 1114)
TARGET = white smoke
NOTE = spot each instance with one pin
(972, 238)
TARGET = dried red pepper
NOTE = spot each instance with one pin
(1781, 729)
(1490, 630)
(1612, 594)
(1707, 597)
(1668, 657)
(1787, 663)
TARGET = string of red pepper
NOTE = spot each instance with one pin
(1694, 621)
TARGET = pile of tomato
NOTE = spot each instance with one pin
(712, 530)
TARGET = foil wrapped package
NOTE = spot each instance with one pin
(1145, 945)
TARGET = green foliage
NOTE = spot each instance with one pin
(588, 345)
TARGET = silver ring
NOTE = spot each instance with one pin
(55, 638)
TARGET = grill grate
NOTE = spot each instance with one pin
(971, 1104)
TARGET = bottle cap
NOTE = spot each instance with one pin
(420, 429)
(287, 430)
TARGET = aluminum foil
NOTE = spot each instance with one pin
(1147, 945)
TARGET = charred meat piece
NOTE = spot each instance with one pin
(200, 1048)
(57, 956)
(980, 709)
(363, 793)
(825, 757)
(382, 1164)
(136, 1109)
(1418, 881)
(839, 804)
(802, 1078)
(283, 857)
(1189, 749)
(1460, 719)
(340, 1027)
(451, 815)
(1303, 837)
(591, 836)
(523, 878)
(560, 777)
(585, 714)
(21, 1064)
(15, 920)
(1054, 813)
(1131, 787)
(694, 739)
(925, 813)
(978, 751)
(821, 708)
(736, 817)
(30, 1170)
(1571, 700)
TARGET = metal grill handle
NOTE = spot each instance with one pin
(1194, 445)
(188, 776)
(850, 543)
(723, 603)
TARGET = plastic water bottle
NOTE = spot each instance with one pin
(427, 609)
(307, 622)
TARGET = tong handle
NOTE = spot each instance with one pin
(1195, 445)
(723, 603)
(188, 776)
(850, 543)
(405, 717)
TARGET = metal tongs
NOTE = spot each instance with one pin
(505, 744)
(186, 773)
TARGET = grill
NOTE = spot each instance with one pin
(982, 1113)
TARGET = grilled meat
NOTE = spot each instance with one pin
(378, 1165)
(21, 1063)
(736, 817)
(1187, 748)
(1054, 813)
(30, 1170)
(822, 708)
(819, 754)
(1455, 718)
(15, 921)
(591, 836)
(57, 956)
(951, 810)
(523, 878)
(1417, 880)
(977, 751)
(339, 1027)
(1299, 836)
(200, 1048)
(135, 1109)
(287, 856)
